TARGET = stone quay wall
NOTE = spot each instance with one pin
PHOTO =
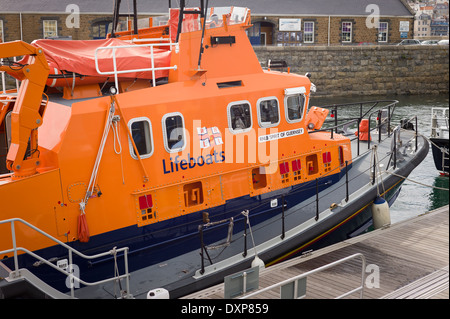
(367, 70)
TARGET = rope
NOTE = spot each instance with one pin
(94, 174)
(246, 213)
(410, 180)
(377, 169)
(116, 272)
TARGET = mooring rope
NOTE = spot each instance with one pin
(413, 181)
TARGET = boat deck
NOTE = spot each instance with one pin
(411, 256)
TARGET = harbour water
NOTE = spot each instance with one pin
(417, 195)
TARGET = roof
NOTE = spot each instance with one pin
(258, 7)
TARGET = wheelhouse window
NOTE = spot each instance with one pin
(268, 112)
(383, 32)
(50, 28)
(141, 132)
(173, 129)
(295, 105)
(239, 117)
(308, 32)
(347, 28)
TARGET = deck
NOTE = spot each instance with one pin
(406, 260)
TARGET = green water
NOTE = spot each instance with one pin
(414, 198)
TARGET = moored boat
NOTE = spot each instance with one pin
(175, 174)
(439, 139)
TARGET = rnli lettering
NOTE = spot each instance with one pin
(176, 164)
(280, 135)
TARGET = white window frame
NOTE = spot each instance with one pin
(2, 32)
(351, 31)
(45, 29)
(166, 138)
(386, 32)
(286, 109)
(131, 148)
(309, 32)
(230, 126)
(258, 111)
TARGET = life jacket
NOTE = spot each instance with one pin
(363, 130)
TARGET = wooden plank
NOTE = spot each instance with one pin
(406, 252)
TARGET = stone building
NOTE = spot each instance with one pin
(279, 23)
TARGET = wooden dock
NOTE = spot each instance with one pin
(409, 259)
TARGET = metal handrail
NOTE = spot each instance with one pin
(115, 72)
(71, 250)
(330, 265)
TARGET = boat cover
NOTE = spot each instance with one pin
(78, 56)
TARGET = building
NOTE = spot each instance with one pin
(422, 26)
(280, 23)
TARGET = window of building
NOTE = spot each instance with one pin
(50, 28)
(173, 129)
(383, 32)
(100, 29)
(292, 38)
(141, 131)
(308, 32)
(268, 112)
(347, 31)
(2, 38)
(294, 107)
(239, 117)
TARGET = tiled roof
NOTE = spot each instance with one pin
(258, 7)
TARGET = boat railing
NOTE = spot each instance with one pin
(152, 68)
(298, 283)
(439, 122)
(339, 124)
(69, 270)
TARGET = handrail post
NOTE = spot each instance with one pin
(16, 260)
(359, 123)
(317, 199)
(389, 120)
(369, 137)
(126, 271)
(244, 254)
(202, 270)
(153, 66)
(72, 290)
(374, 167)
(417, 131)
(395, 149)
(282, 218)
(346, 181)
(379, 125)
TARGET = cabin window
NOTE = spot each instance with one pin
(295, 105)
(239, 117)
(141, 132)
(173, 129)
(268, 112)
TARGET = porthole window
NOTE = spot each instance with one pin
(239, 117)
(173, 129)
(141, 132)
(295, 105)
(268, 112)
